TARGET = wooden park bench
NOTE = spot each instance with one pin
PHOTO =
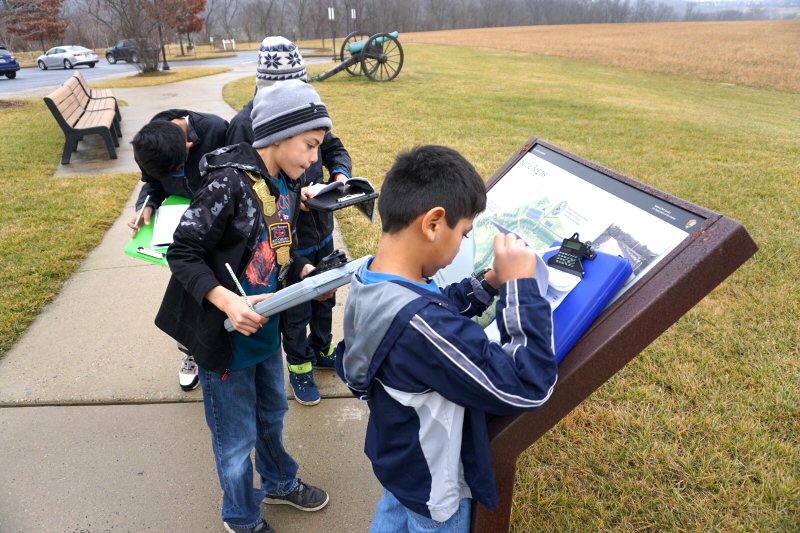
(97, 94)
(79, 114)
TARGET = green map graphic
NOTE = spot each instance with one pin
(537, 222)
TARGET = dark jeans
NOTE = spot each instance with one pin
(299, 347)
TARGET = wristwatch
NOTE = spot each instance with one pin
(481, 277)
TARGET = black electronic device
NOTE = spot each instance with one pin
(341, 194)
(335, 259)
(568, 258)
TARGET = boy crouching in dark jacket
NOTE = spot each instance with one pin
(243, 216)
(428, 372)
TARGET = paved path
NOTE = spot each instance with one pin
(96, 435)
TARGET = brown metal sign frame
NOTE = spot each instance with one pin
(673, 286)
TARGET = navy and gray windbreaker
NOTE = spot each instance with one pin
(430, 376)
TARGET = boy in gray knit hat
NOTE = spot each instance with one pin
(243, 219)
(305, 352)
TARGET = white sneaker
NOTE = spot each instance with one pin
(187, 377)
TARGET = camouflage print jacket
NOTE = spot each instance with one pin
(222, 225)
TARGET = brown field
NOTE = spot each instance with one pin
(755, 53)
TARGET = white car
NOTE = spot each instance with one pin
(67, 57)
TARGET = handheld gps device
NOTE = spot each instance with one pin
(568, 258)
(335, 259)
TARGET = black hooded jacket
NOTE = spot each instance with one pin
(222, 225)
(207, 133)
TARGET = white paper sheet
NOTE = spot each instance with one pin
(167, 219)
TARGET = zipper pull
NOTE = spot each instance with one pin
(226, 374)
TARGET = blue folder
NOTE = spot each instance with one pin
(604, 276)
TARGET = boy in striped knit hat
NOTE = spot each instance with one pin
(241, 221)
(279, 60)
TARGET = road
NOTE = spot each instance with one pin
(31, 79)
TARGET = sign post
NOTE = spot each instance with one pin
(332, 18)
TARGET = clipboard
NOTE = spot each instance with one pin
(308, 289)
(603, 277)
(139, 246)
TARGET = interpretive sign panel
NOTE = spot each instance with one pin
(679, 252)
(546, 197)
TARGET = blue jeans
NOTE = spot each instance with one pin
(245, 411)
(391, 516)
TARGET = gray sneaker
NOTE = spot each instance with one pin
(305, 497)
(263, 527)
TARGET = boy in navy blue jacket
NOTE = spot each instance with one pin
(428, 372)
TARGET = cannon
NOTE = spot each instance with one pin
(378, 57)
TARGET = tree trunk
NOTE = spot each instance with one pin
(180, 40)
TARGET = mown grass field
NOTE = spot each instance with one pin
(756, 53)
(700, 431)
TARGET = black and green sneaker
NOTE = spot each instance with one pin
(326, 359)
(301, 378)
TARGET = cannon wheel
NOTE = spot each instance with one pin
(382, 57)
(344, 53)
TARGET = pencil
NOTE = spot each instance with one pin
(139, 216)
(239, 286)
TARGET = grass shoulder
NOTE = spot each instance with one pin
(199, 55)
(47, 225)
(150, 79)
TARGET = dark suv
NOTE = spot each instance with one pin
(8, 63)
(127, 50)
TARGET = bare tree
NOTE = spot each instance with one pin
(131, 19)
(663, 13)
(318, 19)
(257, 21)
(220, 16)
(210, 16)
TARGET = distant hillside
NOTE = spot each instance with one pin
(756, 53)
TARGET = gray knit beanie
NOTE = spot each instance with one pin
(279, 60)
(285, 109)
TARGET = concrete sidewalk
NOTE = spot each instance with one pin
(96, 435)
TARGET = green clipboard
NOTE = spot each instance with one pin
(139, 246)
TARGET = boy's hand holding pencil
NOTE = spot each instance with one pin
(244, 320)
(240, 309)
(513, 259)
(144, 214)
